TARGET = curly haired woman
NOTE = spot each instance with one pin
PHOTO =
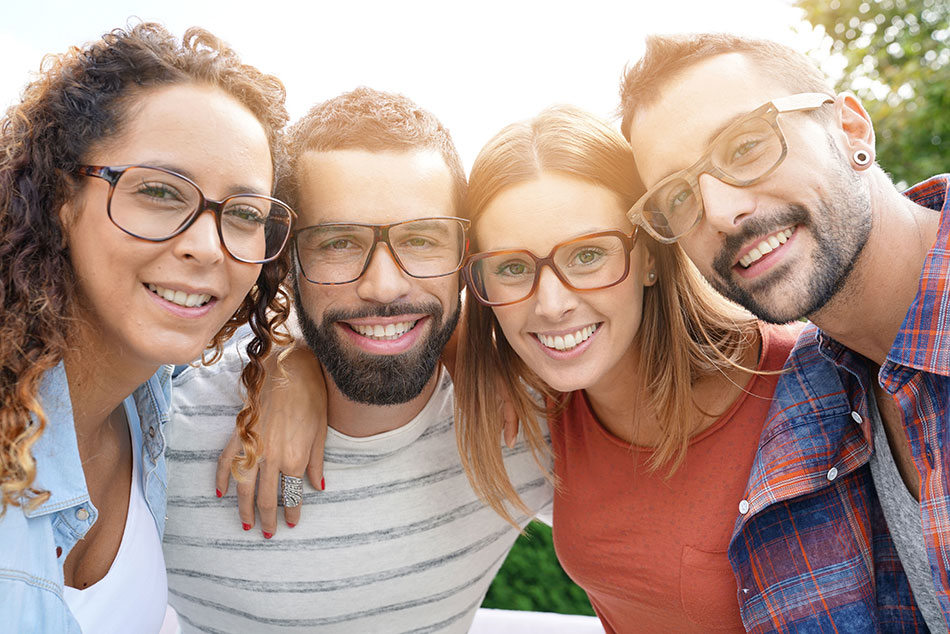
(110, 268)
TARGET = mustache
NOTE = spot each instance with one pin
(756, 227)
(383, 310)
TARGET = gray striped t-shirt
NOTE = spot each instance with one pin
(398, 542)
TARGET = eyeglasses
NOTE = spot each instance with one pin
(590, 262)
(743, 154)
(339, 253)
(156, 204)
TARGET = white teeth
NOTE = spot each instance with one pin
(766, 246)
(385, 333)
(567, 342)
(180, 297)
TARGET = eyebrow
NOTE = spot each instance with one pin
(725, 125)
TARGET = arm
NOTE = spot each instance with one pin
(293, 432)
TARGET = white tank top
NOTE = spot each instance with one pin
(133, 594)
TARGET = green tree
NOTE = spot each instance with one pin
(898, 64)
(532, 579)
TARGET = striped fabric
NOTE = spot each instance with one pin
(811, 549)
(397, 542)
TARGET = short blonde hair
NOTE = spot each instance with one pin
(687, 329)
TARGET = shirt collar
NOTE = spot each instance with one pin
(923, 342)
(58, 466)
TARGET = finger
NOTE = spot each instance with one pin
(245, 492)
(510, 417)
(315, 466)
(292, 515)
(267, 498)
(222, 475)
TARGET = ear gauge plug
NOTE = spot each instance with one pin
(861, 158)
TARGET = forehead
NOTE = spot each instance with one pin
(373, 187)
(189, 128)
(693, 107)
(547, 210)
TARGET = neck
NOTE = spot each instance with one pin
(866, 314)
(360, 420)
(619, 403)
(99, 379)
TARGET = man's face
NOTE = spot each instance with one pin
(811, 211)
(346, 325)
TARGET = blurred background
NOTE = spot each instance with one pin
(481, 65)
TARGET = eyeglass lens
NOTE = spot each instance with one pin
(745, 153)
(155, 204)
(338, 253)
(586, 264)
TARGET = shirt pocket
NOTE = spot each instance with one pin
(708, 590)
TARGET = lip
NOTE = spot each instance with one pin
(384, 347)
(767, 261)
(184, 312)
(574, 352)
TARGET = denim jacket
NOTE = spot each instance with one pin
(34, 543)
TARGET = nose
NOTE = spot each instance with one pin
(383, 281)
(725, 206)
(200, 242)
(553, 300)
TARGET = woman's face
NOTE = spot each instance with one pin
(537, 215)
(149, 303)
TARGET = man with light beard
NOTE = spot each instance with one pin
(767, 179)
(397, 541)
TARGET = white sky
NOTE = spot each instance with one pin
(478, 65)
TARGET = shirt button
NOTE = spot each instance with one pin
(929, 454)
(832, 474)
(82, 515)
(743, 507)
(151, 432)
(59, 551)
(856, 417)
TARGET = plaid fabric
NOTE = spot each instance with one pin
(812, 553)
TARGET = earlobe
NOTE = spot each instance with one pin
(649, 265)
(858, 131)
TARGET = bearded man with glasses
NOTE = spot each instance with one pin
(768, 181)
(394, 538)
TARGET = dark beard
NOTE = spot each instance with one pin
(377, 379)
(839, 240)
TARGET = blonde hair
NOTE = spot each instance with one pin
(687, 330)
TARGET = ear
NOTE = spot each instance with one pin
(857, 129)
(649, 267)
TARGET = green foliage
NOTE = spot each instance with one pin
(532, 579)
(898, 64)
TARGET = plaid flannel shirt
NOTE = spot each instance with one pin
(811, 549)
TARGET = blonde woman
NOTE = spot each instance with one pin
(654, 417)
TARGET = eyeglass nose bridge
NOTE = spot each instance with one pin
(381, 236)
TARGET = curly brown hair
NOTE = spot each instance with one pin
(79, 99)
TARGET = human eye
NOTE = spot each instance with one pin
(158, 192)
(678, 196)
(247, 214)
(587, 256)
(512, 270)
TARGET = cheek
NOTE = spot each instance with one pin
(512, 320)
(242, 277)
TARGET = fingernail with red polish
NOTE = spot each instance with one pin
(218, 492)
(267, 535)
(291, 524)
(323, 484)
(245, 526)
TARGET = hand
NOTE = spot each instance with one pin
(293, 430)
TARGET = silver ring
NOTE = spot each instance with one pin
(291, 491)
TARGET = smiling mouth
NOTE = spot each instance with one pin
(569, 341)
(380, 332)
(180, 297)
(765, 247)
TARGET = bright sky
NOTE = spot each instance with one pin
(478, 65)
